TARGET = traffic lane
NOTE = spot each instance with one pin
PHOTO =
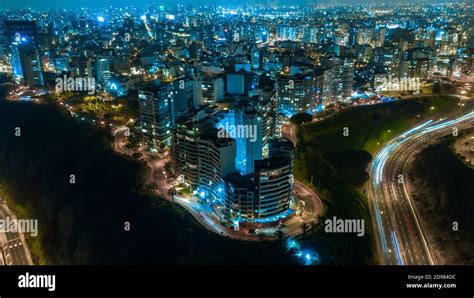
(389, 213)
(386, 251)
(411, 243)
(312, 201)
(412, 240)
(15, 253)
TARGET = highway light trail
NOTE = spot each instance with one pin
(416, 128)
(448, 123)
(400, 238)
(397, 248)
(379, 226)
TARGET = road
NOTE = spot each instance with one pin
(313, 204)
(13, 247)
(400, 239)
(289, 131)
(293, 227)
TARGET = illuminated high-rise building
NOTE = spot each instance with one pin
(264, 196)
(343, 70)
(201, 159)
(286, 32)
(156, 104)
(212, 88)
(297, 94)
(102, 72)
(26, 64)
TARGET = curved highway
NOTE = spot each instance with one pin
(400, 239)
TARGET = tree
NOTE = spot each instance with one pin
(279, 234)
(313, 225)
(376, 116)
(305, 227)
(301, 118)
(436, 87)
(137, 155)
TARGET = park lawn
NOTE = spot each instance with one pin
(396, 124)
(369, 127)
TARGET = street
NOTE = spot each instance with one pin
(14, 250)
(209, 219)
(400, 239)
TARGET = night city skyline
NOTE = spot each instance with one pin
(312, 134)
(57, 4)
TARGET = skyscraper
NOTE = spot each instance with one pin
(263, 196)
(343, 69)
(201, 159)
(187, 94)
(156, 104)
(26, 64)
(249, 148)
(102, 72)
(212, 88)
(297, 94)
(287, 32)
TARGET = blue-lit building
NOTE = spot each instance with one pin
(264, 196)
(187, 94)
(246, 121)
(15, 61)
(102, 68)
(230, 169)
(201, 159)
(287, 32)
(241, 83)
(249, 147)
(26, 63)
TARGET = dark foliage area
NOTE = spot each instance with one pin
(444, 195)
(301, 118)
(84, 222)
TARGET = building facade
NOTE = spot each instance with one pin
(156, 106)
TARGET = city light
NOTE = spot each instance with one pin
(259, 120)
(305, 256)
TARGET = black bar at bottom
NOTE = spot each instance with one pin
(378, 281)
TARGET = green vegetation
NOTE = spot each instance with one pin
(301, 118)
(83, 223)
(334, 155)
(444, 195)
(118, 111)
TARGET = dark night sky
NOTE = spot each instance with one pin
(102, 3)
